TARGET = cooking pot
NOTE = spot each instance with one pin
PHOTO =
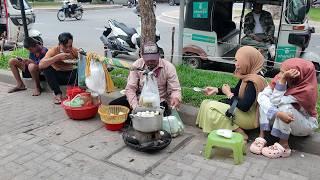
(147, 124)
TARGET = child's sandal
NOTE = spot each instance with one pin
(276, 151)
(257, 146)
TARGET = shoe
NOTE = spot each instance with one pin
(257, 146)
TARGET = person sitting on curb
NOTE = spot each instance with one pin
(29, 67)
(212, 114)
(287, 106)
(166, 76)
(56, 71)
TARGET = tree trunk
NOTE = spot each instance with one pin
(148, 21)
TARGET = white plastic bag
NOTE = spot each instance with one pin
(96, 81)
(173, 124)
(150, 93)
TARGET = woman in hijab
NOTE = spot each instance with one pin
(287, 106)
(211, 116)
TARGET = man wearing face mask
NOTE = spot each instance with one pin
(55, 68)
(166, 76)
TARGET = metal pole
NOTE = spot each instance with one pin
(181, 26)
(172, 43)
(24, 20)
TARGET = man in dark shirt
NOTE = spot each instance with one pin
(29, 66)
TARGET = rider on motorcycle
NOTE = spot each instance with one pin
(72, 5)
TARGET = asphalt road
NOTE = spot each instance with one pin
(88, 30)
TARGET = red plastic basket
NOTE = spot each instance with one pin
(81, 113)
(72, 91)
(114, 127)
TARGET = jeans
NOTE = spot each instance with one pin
(56, 78)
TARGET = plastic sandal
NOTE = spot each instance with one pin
(257, 146)
(276, 151)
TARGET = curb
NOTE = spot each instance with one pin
(84, 8)
(169, 16)
(188, 114)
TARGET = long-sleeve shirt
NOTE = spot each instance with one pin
(167, 80)
(249, 97)
(269, 100)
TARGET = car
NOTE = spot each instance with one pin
(174, 2)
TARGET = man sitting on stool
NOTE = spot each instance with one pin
(165, 74)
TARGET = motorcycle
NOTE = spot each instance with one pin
(124, 39)
(134, 3)
(70, 10)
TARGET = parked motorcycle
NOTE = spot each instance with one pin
(70, 10)
(121, 39)
(134, 3)
(118, 38)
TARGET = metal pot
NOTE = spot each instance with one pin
(147, 124)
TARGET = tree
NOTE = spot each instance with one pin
(148, 21)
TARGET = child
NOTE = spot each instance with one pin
(287, 106)
(29, 66)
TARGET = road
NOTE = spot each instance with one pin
(87, 31)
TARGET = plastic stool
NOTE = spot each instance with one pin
(236, 144)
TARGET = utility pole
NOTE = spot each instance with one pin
(178, 60)
(24, 20)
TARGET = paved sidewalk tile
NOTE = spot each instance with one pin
(38, 141)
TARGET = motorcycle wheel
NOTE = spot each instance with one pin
(79, 15)
(171, 3)
(61, 16)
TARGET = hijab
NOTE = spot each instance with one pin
(251, 63)
(304, 87)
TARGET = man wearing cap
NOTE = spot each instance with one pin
(165, 73)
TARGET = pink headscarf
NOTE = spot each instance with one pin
(305, 87)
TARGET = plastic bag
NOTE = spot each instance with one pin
(173, 124)
(150, 93)
(81, 70)
(96, 80)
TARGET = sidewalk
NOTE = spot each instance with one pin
(38, 141)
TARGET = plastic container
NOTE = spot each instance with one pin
(72, 91)
(114, 127)
(111, 117)
(80, 113)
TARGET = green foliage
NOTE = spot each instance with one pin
(4, 59)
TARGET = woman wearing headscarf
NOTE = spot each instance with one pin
(287, 106)
(211, 116)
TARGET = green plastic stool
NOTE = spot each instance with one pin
(236, 144)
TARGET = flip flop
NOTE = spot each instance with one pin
(57, 100)
(33, 94)
(16, 89)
